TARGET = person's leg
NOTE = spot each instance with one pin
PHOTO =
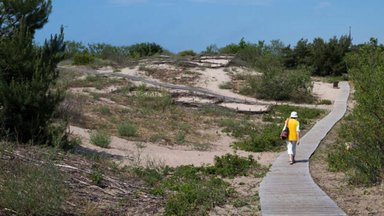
(290, 151)
(293, 151)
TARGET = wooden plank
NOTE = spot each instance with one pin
(290, 189)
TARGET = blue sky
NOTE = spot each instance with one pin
(194, 24)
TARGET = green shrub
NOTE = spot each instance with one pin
(180, 137)
(277, 84)
(144, 49)
(230, 49)
(100, 138)
(325, 102)
(237, 128)
(197, 197)
(83, 58)
(187, 53)
(230, 165)
(31, 190)
(191, 190)
(265, 139)
(96, 175)
(105, 110)
(127, 129)
(153, 101)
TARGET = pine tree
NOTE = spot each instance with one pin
(28, 72)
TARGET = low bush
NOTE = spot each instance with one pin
(127, 129)
(237, 128)
(231, 165)
(187, 53)
(277, 84)
(104, 110)
(153, 100)
(191, 190)
(325, 102)
(96, 176)
(100, 138)
(264, 139)
(83, 58)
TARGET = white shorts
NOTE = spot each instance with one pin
(291, 147)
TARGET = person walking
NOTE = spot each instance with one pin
(293, 136)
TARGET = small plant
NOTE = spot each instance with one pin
(226, 85)
(230, 165)
(96, 176)
(105, 110)
(154, 101)
(264, 139)
(127, 129)
(325, 102)
(180, 137)
(100, 138)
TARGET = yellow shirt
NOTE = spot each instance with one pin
(294, 128)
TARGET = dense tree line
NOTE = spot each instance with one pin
(118, 54)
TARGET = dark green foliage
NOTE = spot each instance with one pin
(28, 73)
(363, 161)
(323, 58)
(33, 14)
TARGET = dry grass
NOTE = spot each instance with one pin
(152, 111)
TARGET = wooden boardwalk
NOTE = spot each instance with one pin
(290, 189)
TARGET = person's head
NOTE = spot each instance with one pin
(294, 114)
